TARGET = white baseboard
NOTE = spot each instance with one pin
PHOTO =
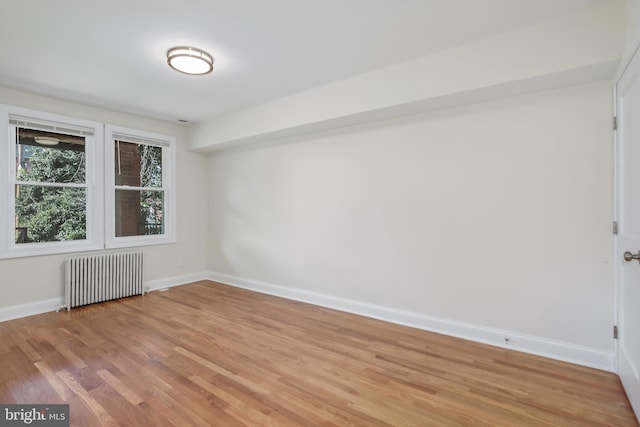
(30, 308)
(45, 306)
(559, 350)
(568, 352)
(155, 285)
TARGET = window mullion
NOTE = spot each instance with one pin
(51, 184)
(133, 188)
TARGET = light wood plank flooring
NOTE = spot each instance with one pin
(207, 354)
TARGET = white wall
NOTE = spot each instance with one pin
(632, 34)
(632, 25)
(496, 215)
(34, 279)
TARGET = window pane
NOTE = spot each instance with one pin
(50, 214)
(138, 165)
(62, 162)
(139, 213)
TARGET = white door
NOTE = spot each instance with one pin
(628, 242)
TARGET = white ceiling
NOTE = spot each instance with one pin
(112, 53)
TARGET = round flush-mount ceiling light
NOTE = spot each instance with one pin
(190, 60)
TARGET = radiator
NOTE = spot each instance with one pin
(97, 278)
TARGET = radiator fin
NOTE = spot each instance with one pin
(98, 278)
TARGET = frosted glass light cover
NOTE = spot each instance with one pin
(190, 60)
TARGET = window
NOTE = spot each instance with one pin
(140, 201)
(64, 197)
(50, 185)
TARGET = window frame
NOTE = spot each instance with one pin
(93, 181)
(168, 145)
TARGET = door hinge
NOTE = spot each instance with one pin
(615, 122)
(615, 332)
(615, 227)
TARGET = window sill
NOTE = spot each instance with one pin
(54, 248)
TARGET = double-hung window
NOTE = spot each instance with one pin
(50, 185)
(74, 185)
(140, 207)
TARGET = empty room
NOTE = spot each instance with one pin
(304, 213)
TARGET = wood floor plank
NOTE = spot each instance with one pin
(96, 408)
(207, 354)
(56, 383)
(120, 387)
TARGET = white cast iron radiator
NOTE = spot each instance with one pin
(97, 278)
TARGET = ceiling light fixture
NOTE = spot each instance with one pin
(190, 60)
(46, 140)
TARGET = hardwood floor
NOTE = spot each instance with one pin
(209, 354)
